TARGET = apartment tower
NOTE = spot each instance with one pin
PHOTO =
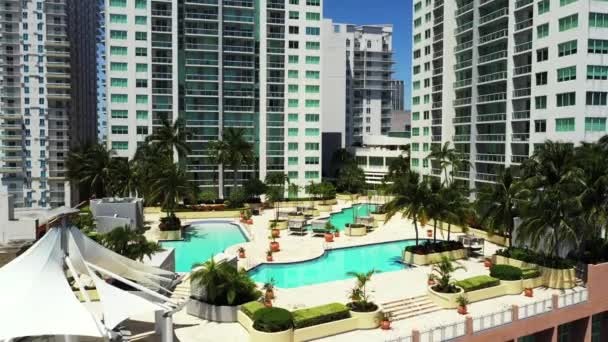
(47, 96)
(217, 64)
(497, 77)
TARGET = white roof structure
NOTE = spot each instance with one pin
(38, 300)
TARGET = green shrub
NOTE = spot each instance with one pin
(529, 273)
(505, 272)
(529, 256)
(320, 314)
(251, 308)
(477, 283)
(236, 198)
(272, 320)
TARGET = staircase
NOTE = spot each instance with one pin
(409, 307)
(181, 291)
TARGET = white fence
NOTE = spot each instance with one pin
(492, 320)
(400, 339)
(535, 308)
(572, 298)
(443, 333)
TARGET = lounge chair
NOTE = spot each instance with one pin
(297, 227)
(318, 227)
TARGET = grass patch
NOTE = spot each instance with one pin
(251, 308)
(320, 314)
(478, 283)
(529, 273)
(505, 272)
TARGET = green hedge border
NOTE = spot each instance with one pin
(478, 283)
(320, 314)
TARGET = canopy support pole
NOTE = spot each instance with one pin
(164, 325)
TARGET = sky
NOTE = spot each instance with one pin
(396, 12)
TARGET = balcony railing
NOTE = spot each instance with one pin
(496, 14)
(491, 137)
(486, 157)
(463, 46)
(492, 117)
(523, 24)
(492, 97)
(463, 27)
(464, 9)
(521, 115)
(522, 3)
(493, 36)
(462, 83)
(462, 102)
(523, 47)
(522, 92)
(461, 119)
(501, 75)
(463, 64)
(524, 69)
(520, 137)
(488, 177)
(462, 137)
(518, 158)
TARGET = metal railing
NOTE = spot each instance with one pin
(501, 75)
(492, 97)
(463, 27)
(497, 158)
(492, 56)
(491, 137)
(524, 69)
(535, 308)
(572, 298)
(521, 115)
(493, 36)
(462, 102)
(443, 333)
(523, 24)
(523, 47)
(522, 92)
(492, 117)
(462, 83)
(496, 14)
(464, 9)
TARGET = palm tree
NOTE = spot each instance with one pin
(397, 167)
(448, 157)
(124, 177)
(232, 150)
(442, 271)
(351, 178)
(592, 160)
(223, 284)
(129, 243)
(208, 275)
(171, 184)
(496, 204)
(170, 137)
(91, 167)
(457, 207)
(363, 278)
(412, 198)
(436, 205)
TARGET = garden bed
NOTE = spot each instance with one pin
(444, 300)
(555, 278)
(427, 259)
(355, 231)
(209, 312)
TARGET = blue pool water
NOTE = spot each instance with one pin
(334, 265)
(202, 241)
(340, 219)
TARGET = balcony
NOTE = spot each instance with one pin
(463, 46)
(464, 64)
(523, 92)
(436, 138)
(437, 105)
(503, 12)
(497, 76)
(461, 119)
(464, 9)
(518, 158)
(462, 102)
(463, 83)
(487, 177)
(521, 3)
(494, 36)
(491, 117)
(492, 158)
(461, 137)
(463, 28)
(520, 137)
(524, 24)
(523, 47)
(521, 115)
(492, 97)
(436, 122)
(491, 137)
(238, 3)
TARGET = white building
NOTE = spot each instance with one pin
(497, 77)
(47, 95)
(205, 69)
(376, 154)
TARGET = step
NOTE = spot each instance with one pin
(405, 303)
(406, 316)
(405, 299)
(413, 309)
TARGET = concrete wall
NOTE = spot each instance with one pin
(128, 208)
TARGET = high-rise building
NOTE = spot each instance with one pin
(495, 78)
(218, 64)
(47, 96)
(398, 95)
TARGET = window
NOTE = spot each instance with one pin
(294, 2)
(120, 35)
(313, 31)
(417, 38)
(542, 54)
(311, 132)
(415, 131)
(312, 160)
(120, 145)
(566, 74)
(540, 126)
(427, 17)
(567, 48)
(293, 44)
(293, 59)
(596, 98)
(416, 100)
(142, 36)
(118, 51)
(292, 73)
(566, 99)
(120, 129)
(416, 85)
(118, 82)
(415, 162)
(292, 161)
(141, 20)
(119, 98)
(141, 4)
(416, 69)
(311, 174)
(564, 125)
(313, 75)
(313, 103)
(313, 16)
(426, 147)
(292, 174)
(416, 116)
(542, 30)
(294, 15)
(292, 103)
(141, 115)
(292, 88)
(313, 59)
(141, 83)
(568, 23)
(118, 3)
(116, 66)
(140, 67)
(598, 19)
(418, 6)
(597, 72)
(415, 147)
(119, 114)
(544, 6)
(312, 117)
(292, 117)
(118, 18)
(595, 124)
(294, 30)
(292, 146)
(142, 130)
(566, 2)
(417, 22)
(311, 146)
(141, 99)
(141, 52)
(313, 2)
(313, 45)
(597, 46)
(312, 89)
(540, 102)
(541, 78)
(292, 132)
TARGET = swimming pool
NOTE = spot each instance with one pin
(202, 241)
(334, 264)
(340, 219)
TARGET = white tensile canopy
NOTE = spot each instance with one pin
(37, 299)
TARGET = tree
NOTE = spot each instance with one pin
(124, 181)
(339, 159)
(170, 137)
(397, 167)
(254, 188)
(276, 182)
(351, 179)
(412, 198)
(448, 157)
(457, 207)
(359, 296)
(232, 150)
(442, 272)
(171, 184)
(592, 159)
(91, 167)
(129, 243)
(223, 284)
(436, 205)
(496, 204)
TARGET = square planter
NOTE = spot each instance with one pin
(427, 259)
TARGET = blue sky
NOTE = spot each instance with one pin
(396, 12)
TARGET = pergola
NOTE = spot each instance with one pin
(38, 300)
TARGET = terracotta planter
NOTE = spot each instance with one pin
(241, 255)
(430, 282)
(529, 292)
(267, 303)
(269, 295)
(269, 258)
(487, 263)
(329, 237)
(274, 246)
(276, 233)
(462, 310)
(385, 325)
(429, 233)
(250, 221)
(336, 234)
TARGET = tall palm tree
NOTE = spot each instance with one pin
(129, 243)
(397, 167)
(124, 177)
(91, 167)
(170, 137)
(436, 205)
(275, 191)
(170, 185)
(351, 178)
(232, 150)
(592, 159)
(412, 198)
(457, 206)
(448, 157)
(496, 204)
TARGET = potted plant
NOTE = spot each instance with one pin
(274, 245)
(269, 256)
(385, 324)
(329, 237)
(487, 262)
(430, 280)
(529, 292)
(269, 288)
(241, 251)
(336, 232)
(274, 231)
(267, 303)
(462, 301)
(429, 233)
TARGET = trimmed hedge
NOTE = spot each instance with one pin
(429, 247)
(251, 308)
(506, 272)
(529, 273)
(272, 320)
(477, 283)
(530, 256)
(320, 314)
